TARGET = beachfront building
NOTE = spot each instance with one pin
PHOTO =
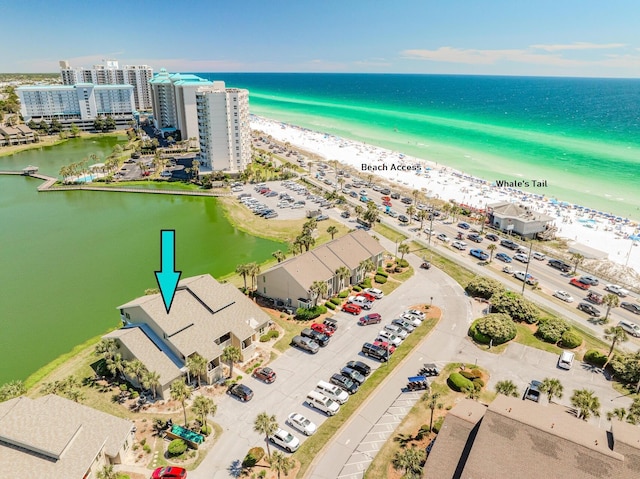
(223, 126)
(512, 437)
(290, 281)
(205, 317)
(173, 98)
(53, 437)
(80, 104)
(110, 73)
(16, 135)
(520, 220)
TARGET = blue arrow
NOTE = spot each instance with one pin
(168, 277)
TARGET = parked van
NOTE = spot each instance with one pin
(332, 392)
(632, 328)
(323, 403)
(566, 360)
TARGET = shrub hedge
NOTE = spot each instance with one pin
(330, 305)
(498, 327)
(380, 279)
(403, 263)
(570, 339)
(253, 457)
(343, 294)
(437, 425)
(176, 447)
(595, 357)
(382, 272)
(458, 382)
(476, 335)
(304, 314)
(551, 329)
(483, 287)
(357, 288)
(478, 384)
(336, 301)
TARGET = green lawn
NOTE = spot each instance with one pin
(312, 446)
(389, 233)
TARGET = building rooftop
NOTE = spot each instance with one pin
(164, 77)
(504, 209)
(55, 437)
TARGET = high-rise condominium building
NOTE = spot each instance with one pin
(110, 73)
(80, 104)
(173, 96)
(223, 125)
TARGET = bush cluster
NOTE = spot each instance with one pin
(307, 314)
(551, 329)
(176, 447)
(477, 336)
(403, 263)
(366, 283)
(269, 335)
(437, 425)
(357, 288)
(595, 357)
(330, 305)
(253, 457)
(335, 301)
(380, 279)
(518, 308)
(482, 287)
(205, 430)
(382, 272)
(343, 294)
(570, 339)
(458, 382)
(497, 327)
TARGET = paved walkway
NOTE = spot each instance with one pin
(373, 441)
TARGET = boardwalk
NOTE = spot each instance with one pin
(50, 181)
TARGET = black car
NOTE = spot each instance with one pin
(320, 338)
(509, 244)
(634, 308)
(589, 309)
(561, 265)
(403, 219)
(353, 374)
(475, 237)
(464, 226)
(406, 200)
(345, 214)
(492, 237)
(385, 191)
(345, 383)
(375, 352)
(242, 392)
(395, 196)
(359, 366)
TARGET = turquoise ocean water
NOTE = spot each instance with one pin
(581, 135)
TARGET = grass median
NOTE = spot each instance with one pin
(312, 446)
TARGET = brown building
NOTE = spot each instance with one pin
(16, 135)
(515, 219)
(513, 438)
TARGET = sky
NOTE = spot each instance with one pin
(489, 37)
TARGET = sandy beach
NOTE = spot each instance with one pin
(579, 223)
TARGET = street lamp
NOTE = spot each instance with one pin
(526, 270)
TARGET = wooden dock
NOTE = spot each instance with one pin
(50, 181)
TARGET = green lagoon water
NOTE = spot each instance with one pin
(70, 258)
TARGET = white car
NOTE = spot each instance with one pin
(443, 237)
(539, 256)
(397, 330)
(415, 312)
(521, 276)
(285, 440)
(376, 293)
(411, 319)
(564, 296)
(523, 258)
(615, 289)
(632, 328)
(461, 245)
(389, 337)
(301, 423)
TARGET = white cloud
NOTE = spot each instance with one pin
(485, 57)
(578, 46)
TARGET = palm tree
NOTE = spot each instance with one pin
(619, 413)
(136, 368)
(403, 248)
(552, 387)
(586, 402)
(254, 271)
(116, 365)
(610, 301)
(423, 215)
(359, 211)
(279, 255)
(366, 265)
(577, 258)
(410, 461)
(281, 463)
(432, 403)
(243, 269)
(203, 406)
(415, 194)
(197, 366)
(181, 392)
(410, 212)
(615, 334)
(12, 390)
(107, 348)
(307, 241)
(318, 289)
(151, 381)
(332, 230)
(507, 388)
(107, 472)
(343, 273)
(231, 355)
(492, 248)
(266, 425)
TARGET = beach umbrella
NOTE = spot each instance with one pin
(634, 238)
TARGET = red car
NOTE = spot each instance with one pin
(169, 473)
(373, 318)
(267, 375)
(579, 284)
(387, 203)
(385, 345)
(323, 328)
(368, 296)
(352, 308)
